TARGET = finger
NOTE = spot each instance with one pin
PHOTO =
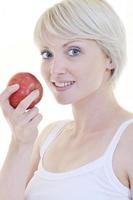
(7, 108)
(7, 92)
(29, 115)
(36, 120)
(4, 98)
(25, 103)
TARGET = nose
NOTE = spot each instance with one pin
(57, 66)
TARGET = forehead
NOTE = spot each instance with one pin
(53, 40)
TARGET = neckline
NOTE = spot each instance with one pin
(92, 165)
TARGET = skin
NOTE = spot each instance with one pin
(96, 113)
(24, 129)
(91, 97)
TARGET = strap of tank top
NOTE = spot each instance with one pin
(52, 135)
(112, 146)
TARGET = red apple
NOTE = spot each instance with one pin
(27, 83)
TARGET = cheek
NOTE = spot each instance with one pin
(44, 72)
(92, 72)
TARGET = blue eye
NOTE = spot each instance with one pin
(74, 51)
(46, 54)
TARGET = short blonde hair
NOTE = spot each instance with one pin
(86, 19)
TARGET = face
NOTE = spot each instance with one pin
(73, 69)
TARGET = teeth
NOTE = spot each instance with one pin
(64, 84)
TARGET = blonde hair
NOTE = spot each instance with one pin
(86, 19)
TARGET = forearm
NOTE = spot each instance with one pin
(13, 175)
(24, 127)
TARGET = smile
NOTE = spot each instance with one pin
(64, 86)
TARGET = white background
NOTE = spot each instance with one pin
(19, 53)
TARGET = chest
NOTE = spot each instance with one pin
(64, 155)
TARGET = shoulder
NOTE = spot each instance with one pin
(127, 151)
(35, 157)
(123, 157)
(46, 131)
(43, 135)
(127, 138)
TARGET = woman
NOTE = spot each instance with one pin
(82, 44)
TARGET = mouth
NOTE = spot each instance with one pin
(63, 86)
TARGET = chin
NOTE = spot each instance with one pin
(65, 102)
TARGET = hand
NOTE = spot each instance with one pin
(23, 123)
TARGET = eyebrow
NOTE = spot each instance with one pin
(64, 45)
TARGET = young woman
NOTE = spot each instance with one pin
(83, 49)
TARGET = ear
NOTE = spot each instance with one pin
(109, 63)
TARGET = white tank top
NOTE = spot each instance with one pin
(93, 181)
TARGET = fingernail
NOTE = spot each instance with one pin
(36, 92)
(15, 85)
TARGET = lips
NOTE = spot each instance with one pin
(63, 87)
(64, 84)
(62, 81)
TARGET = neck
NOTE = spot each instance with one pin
(96, 111)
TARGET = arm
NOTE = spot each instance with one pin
(23, 124)
(128, 140)
(130, 169)
(14, 172)
(130, 174)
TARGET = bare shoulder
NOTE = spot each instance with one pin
(35, 157)
(123, 157)
(124, 168)
(127, 151)
(43, 135)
